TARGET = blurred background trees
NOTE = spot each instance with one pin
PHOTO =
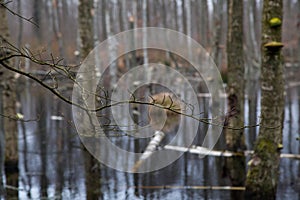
(68, 29)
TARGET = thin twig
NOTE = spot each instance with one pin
(18, 15)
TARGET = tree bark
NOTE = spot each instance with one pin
(235, 88)
(219, 28)
(57, 29)
(85, 9)
(92, 167)
(8, 87)
(298, 28)
(37, 17)
(204, 24)
(235, 140)
(262, 176)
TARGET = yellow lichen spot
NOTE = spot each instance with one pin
(275, 21)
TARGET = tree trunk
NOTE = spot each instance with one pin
(204, 24)
(235, 89)
(252, 18)
(262, 176)
(8, 86)
(218, 29)
(298, 27)
(183, 15)
(37, 17)
(92, 167)
(2, 144)
(57, 29)
(85, 17)
(235, 140)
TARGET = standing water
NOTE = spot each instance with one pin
(51, 159)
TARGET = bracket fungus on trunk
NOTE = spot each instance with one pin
(273, 46)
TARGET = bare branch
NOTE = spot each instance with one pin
(17, 14)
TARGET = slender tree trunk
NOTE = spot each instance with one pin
(262, 177)
(204, 24)
(183, 15)
(188, 25)
(145, 51)
(8, 87)
(252, 65)
(92, 167)
(2, 152)
(175, 15)
(298, 27)
(48, 8)
(20, 34)
(235, 140)
(37, 17)
(217, 32)
(86, 31)
(96, 37)
(42, 142)
(103, 19)
(122, 14)
(57, 29)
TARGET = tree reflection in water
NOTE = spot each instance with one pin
(52, 164)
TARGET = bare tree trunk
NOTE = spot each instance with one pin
(235, 140)
(110, 29)
(8, 87)
(122, 15)
(298, 27)
(57, 29)
(252, 64)
(204, 24)
(164, 16)
(96, 38)
(145, 51)
(85, 27)
(2, 152)
(42, 142)
(48, 8)
(188, 25)
(92, 167)
(175, 15)
(103, 19)
(37, 17)
(20, 34)
(183, 15)
(262, 177)
(218, 16)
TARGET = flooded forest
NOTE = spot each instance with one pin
(149, 99)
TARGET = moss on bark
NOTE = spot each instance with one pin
(262, 176)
